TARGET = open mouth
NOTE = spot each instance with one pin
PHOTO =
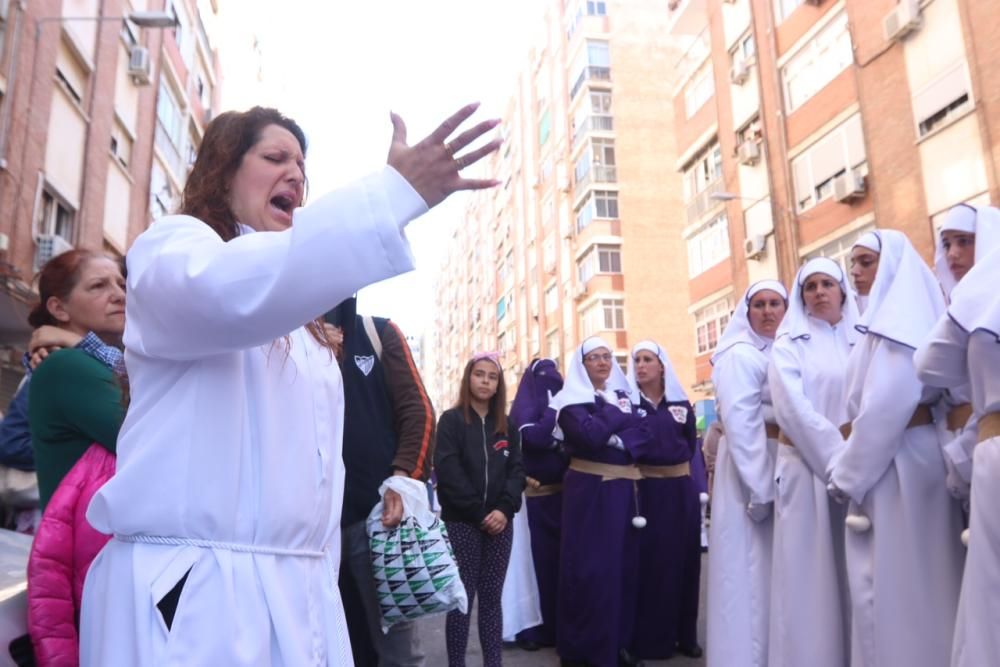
(284, 204)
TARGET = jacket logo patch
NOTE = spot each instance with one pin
(500, 444)
(365, 363)
(625, 405)
(680, 413)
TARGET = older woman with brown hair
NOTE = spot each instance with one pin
(225, 506)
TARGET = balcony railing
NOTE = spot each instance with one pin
(590, 73)
(598, 173)
(702, 202)
(599, 123)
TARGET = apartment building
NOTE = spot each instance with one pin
(101, 105)
(582, 236)
(801, 124)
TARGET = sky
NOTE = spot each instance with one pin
(339, 67)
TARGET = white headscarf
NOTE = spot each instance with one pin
(673, 390)
(869, 240)
(975, 303)
(796, 322)
(984, 222)
(905, 301)
(577, 388)
(739, 330)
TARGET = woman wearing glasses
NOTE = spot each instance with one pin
(599, 555)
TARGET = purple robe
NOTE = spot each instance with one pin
(545, 461)
(670, 544)
(599, 555)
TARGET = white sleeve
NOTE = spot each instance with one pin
(191, 295)
(814, 436)
(883, 396)
(739, 378)
(942, 359)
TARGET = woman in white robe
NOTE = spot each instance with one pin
(225, 507)
(739, 562)
(967, 235)
(904, 559)
(964, 349)
(809, 600)
(864, 264)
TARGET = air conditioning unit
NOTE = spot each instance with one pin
(748, 153)
(740, 71)
(139, 66)
(49, 246)
(848, 187)
(579, 292)
(901, 21)
(815, 3)
(754, 246)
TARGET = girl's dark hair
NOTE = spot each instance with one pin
(497, 404)
(57, 279)
(227, 140)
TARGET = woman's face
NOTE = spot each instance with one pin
(484, 379)
(960, 251)
(648, 370)
(823, 297)
(765, 311)
(864, 266)
(598, 364)
(270, 181)
(96, 303)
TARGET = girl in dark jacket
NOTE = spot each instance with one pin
(480, 480)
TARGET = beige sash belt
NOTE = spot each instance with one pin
(609, 471)
(958, 416)
(922, 416)
(989, 426)
(536, 489)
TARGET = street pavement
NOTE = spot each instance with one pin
(432, 639)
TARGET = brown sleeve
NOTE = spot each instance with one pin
(412, 414)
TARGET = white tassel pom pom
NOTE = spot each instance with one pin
(639, 521)
(859, 523)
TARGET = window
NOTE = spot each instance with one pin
(551, 298)
(601, 157)
(709, 246)
(605, 315)
(127, 33)
(699, 89)
(839, 250)
(552, 346)
(594, 62)
(593, 116)
(709, 322)
(71, 74)
(55, 216)
(705, 170)
(501, 308)
(549, 254)
(168, 113)
(203, 90)
(814, 171)
(817, 63)
(782, 8)
(942, 100)
(544, 128)
(121, 144)
(161, 192)
(598, 204)
(746, 49)
(599, 259)
(597, 8)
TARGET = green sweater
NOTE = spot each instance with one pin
(74, 401)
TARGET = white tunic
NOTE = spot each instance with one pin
(951, 357)
(233, 437)
(739, 562)
(809, 601)
(905, 571)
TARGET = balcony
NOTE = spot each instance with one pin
(687, 17)
(598, 173)
(590, 73)
(590, 124)
(702, 202)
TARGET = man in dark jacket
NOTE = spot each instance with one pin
(388, 430)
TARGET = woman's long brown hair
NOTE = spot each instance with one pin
(497, 404)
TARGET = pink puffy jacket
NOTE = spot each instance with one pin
(64, 546)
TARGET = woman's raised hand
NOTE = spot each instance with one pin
(432, 166)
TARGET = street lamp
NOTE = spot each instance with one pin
(142, 19)
(731, 196)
